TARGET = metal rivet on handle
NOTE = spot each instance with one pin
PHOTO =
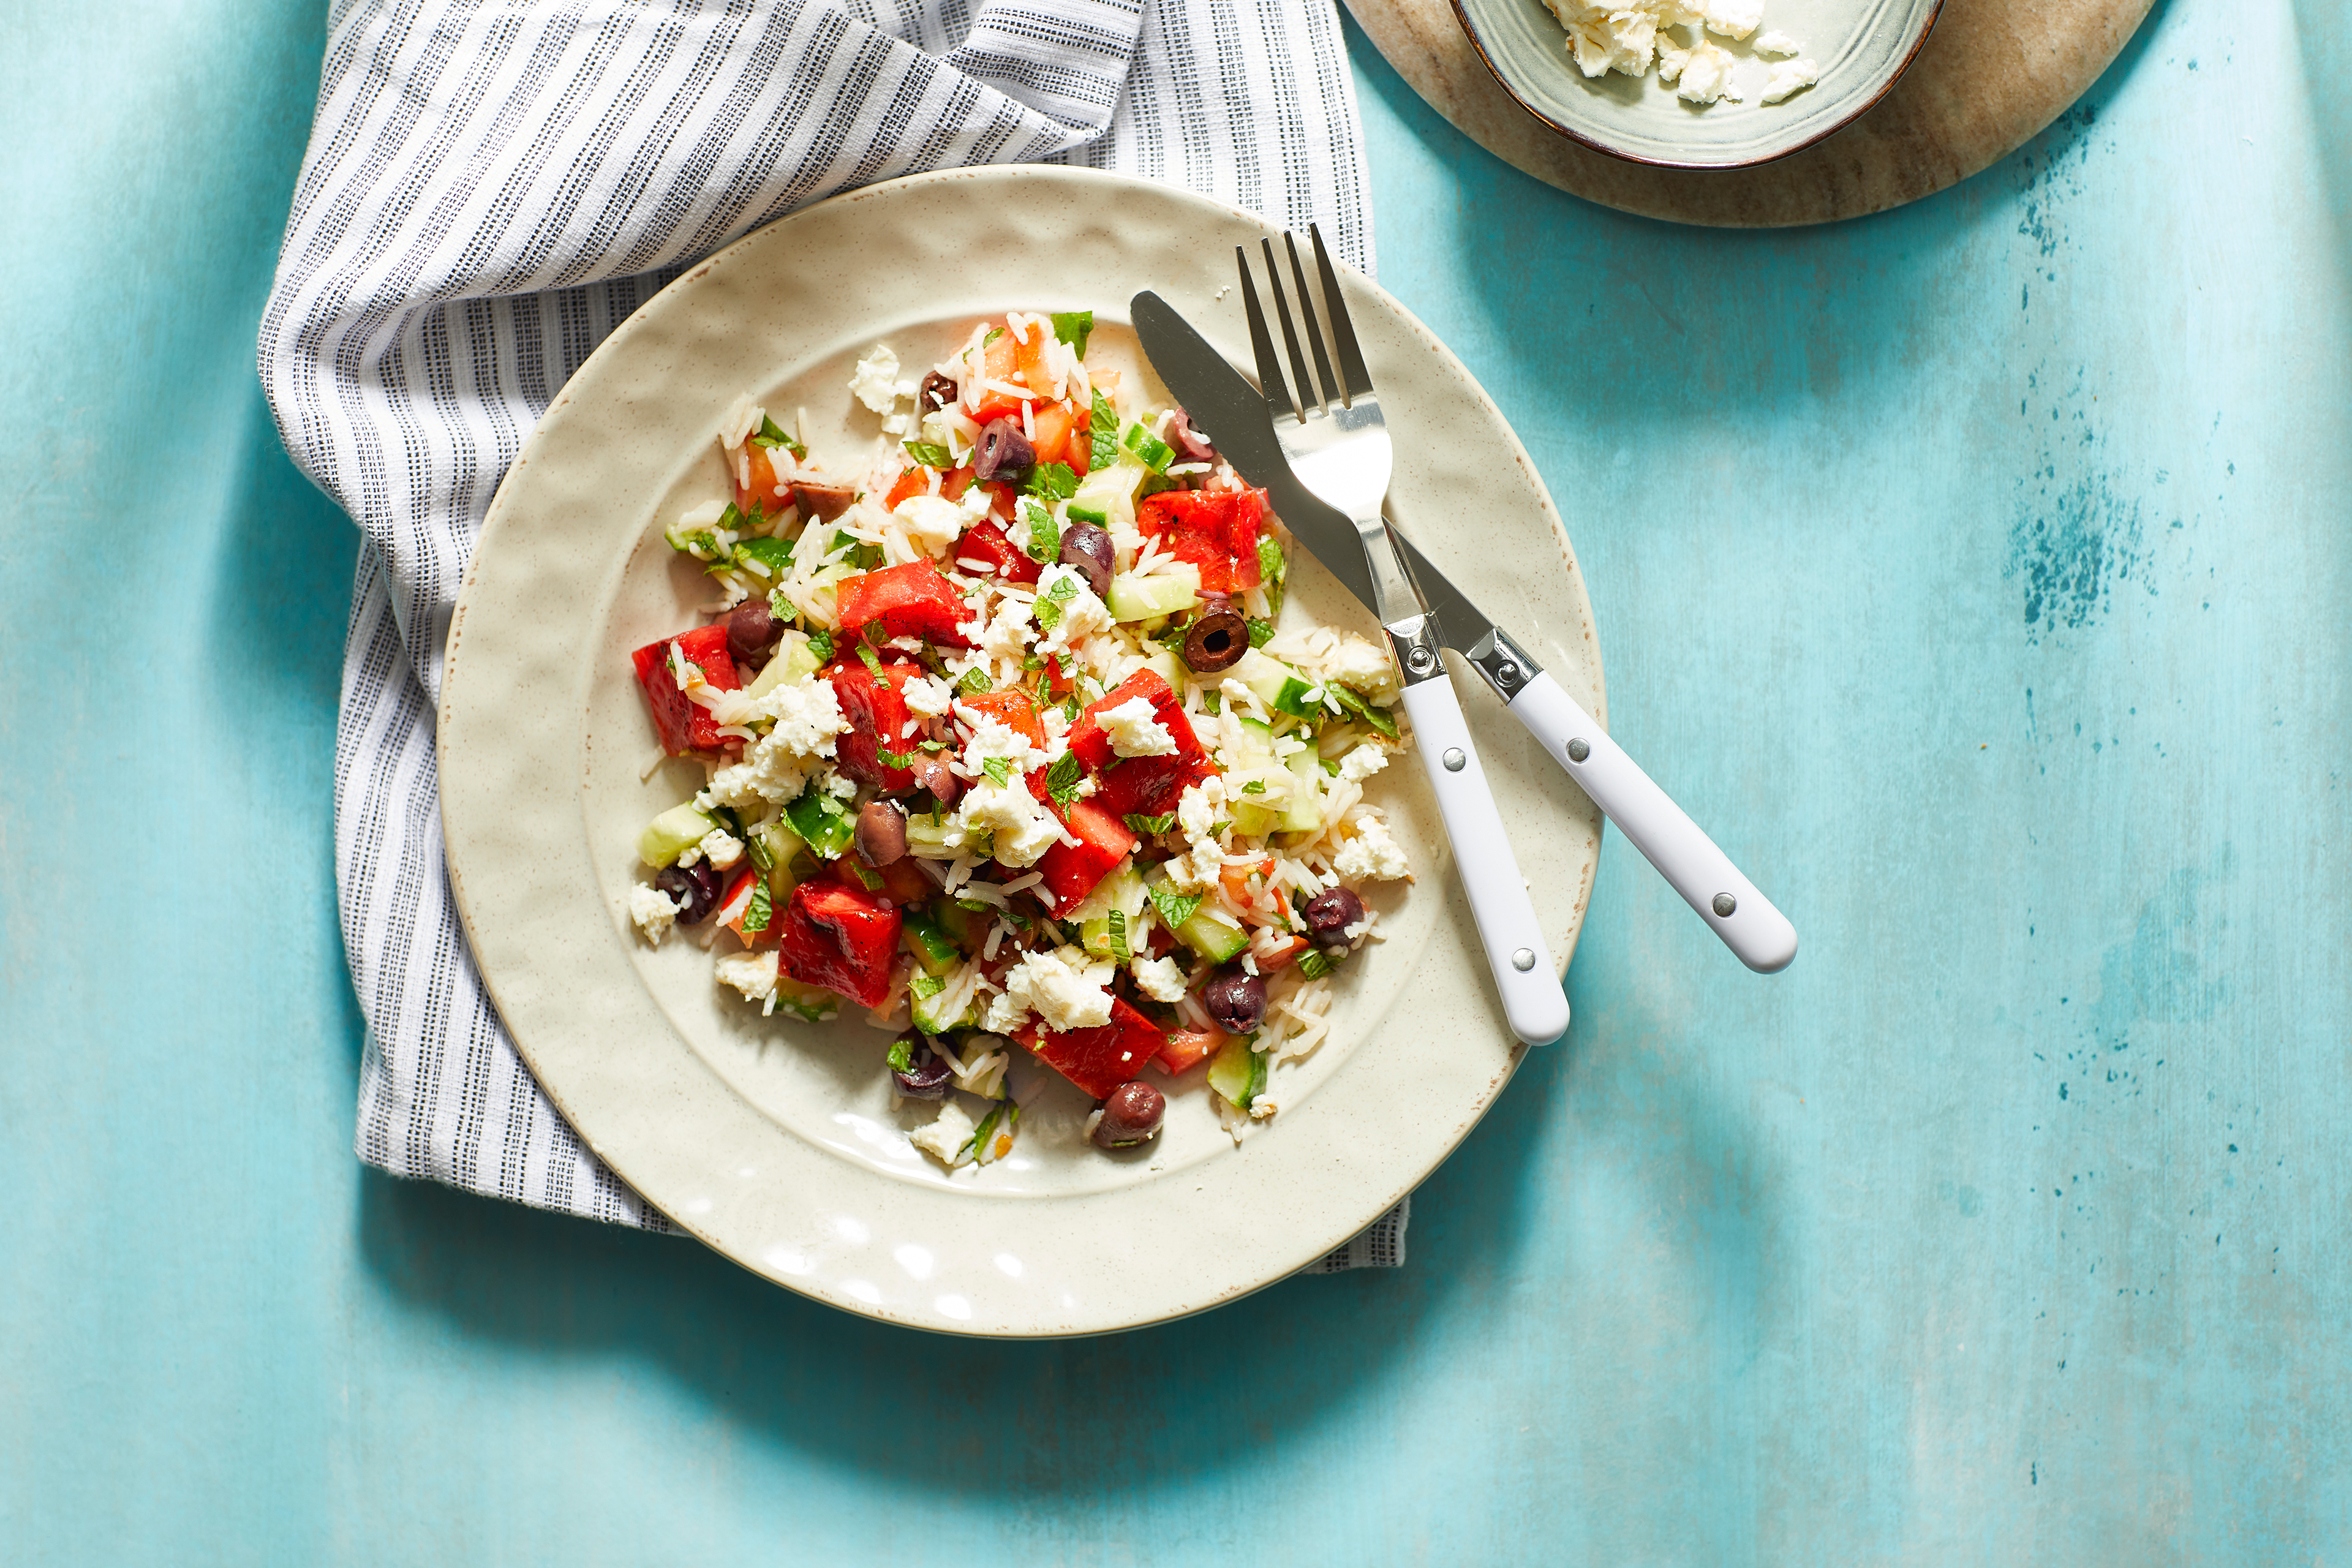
(1453, 759)
(1509, 672)
(1524, 960)
(1419, 658)
(1724, 904)
(1578, 750)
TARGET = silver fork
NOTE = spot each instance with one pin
(1338, 444)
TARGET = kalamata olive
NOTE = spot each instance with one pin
(936, 391)
(1219, 638)
(1235, 1000)
(932, 774)
(823, 502)
(1189, 441)
(882, 832)
(1130, 1116)
(1330, 913)
(1004, 453)
(750, 627)
(695, 888)
(926, 1075)
(1086, 548)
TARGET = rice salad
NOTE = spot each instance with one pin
(1002, 747)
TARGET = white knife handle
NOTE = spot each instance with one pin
(1532, 998)
(1688, 859)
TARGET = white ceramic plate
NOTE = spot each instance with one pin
(774, 1141)
(1861, 46)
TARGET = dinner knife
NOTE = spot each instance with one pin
(1229, 412)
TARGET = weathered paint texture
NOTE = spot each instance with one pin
(1980, 572)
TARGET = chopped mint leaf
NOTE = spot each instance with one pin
(993, 334)
(1118, 948)
(1270, 563)
(757, 913)
(1255, 786)
(1332, 766)
(1000, 769)
(890, 759)
(1213, 701)
(1261, 632)
(1072, 327)
(775, 555)
(866, 657)
(1174, 908)
(1316, 963)
(975, 682)
(1052, 481)
(1045, 545)
(1148, 825)
(769, 436)
(931, 454)
(1102, 426)
(1356, 708)
(1061, 780)
(821, 644)
(902, 1056)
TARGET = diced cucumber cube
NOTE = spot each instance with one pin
(672, 834)
(1164, 594)
(933, 948)
(1168, 666)
(925, 1000)
(1214, 934)
(1252, 820)
(813, 1002)
(1303, 811)
(795, 659)
(1121, 892)
(821, 822)
(1109, 493)
(927, 837)
(1237, 1072)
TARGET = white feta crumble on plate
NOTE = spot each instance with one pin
(653, 911)
(1363, 761)
(1135, 731)
(1789, 79)
(753, 974)
(875, 379)
(944, 1139)
(721, 849)
(1371, 855)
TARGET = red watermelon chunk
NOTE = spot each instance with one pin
(686, 725)
(1148, 786)
(1098, 1059)
(1216, 531)
(842, 938)
(875, 707)
(1071, 870)
(910, 601)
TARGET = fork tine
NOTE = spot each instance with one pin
(1269, 367)
(1307, 387)
(1314, 330)
(1354, 377)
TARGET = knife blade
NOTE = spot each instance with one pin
(1227, 409)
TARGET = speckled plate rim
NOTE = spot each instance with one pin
(1862, 104)
(553, 946)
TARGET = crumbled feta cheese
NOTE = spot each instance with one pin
(1022, 827)
(1003, 1014)
(721, 849)
(1371, 855)
(1778, 44)
(1705, 69)
(1606, 35)
(1066, 988)
(944, 1139)
(1200, 806)
(841, 786)
(1081, 615)
(752, 973)
(927, 697)
(876, 380)
(777, 766)
(653, 911)
(936, 523)
(1363, 761)
(1789, 79)
(1158, 978)
(1363, 666)
(1733, 18)
(1135, 730)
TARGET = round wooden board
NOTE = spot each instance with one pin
(1992, 74)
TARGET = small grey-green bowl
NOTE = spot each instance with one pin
(1862, 47)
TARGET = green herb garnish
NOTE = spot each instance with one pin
(1045, 544)
(1072, 327)
(1316, 963)
(769, 436)
(1260, 632)
(867, 656)
(1118, 948)
(931, 454)
(821, 644)
(902, 1056)
(1061, 780)
(759, 910)
(973, 683)
(1174, 908)
(1000, 769)
(1255, 786)
(1052, 481)
(1102, 427)
(1148, 825)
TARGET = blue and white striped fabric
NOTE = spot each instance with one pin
(491, 189)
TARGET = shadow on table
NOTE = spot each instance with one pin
(1156, 1408)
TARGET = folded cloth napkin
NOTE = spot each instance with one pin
(489, 190)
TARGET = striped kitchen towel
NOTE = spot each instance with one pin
(490, 189)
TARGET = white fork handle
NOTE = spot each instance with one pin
(1532, 998)
(1688, 859)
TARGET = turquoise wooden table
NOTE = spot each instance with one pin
(1980, 570)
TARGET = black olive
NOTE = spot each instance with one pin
(1086, 550)
(694, 888)
(1004, 453)
(1330, 913)
(1196, 447)
(936, 391)
(1130, 1116)
(926, 1075)
(882, 832)
(750, 627)
(1235, 1000)
(1219, 638)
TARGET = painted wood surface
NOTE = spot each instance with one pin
(1977, 572)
